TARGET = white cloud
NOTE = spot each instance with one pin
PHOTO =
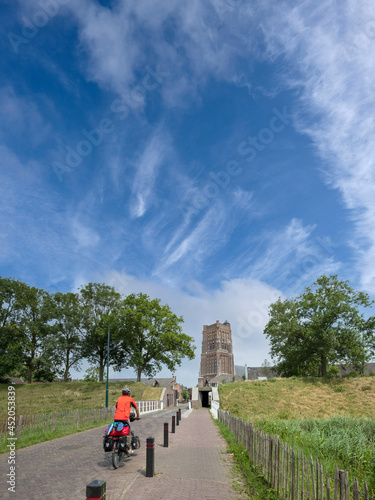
(21, 116)
(288, 259)
(117, 41)
(147, 169)
(195, 244)
(84, 235)
(329, 46)
(243, 302)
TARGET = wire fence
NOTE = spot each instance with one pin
(289, 472)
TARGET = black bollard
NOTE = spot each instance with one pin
(177, 419)
(150, 451)
(179, 414)
(96, 489)
(173, 424)
(165, 434)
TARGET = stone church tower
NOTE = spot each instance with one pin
(217, 354)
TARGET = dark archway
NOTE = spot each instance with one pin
(205, 399)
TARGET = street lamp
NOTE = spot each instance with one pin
(109, 326)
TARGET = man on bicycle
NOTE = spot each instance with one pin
(123, 408)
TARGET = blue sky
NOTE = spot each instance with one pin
(215, 154)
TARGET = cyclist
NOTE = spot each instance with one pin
(123, 408)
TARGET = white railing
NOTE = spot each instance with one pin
(148, 406)
(215, 408)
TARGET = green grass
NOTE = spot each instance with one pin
(35, 399)
(32, 399)
(295, 398)
(255, 486)
(152, 393)
(346, 442)
(330, 419)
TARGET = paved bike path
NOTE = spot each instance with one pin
(194, 465)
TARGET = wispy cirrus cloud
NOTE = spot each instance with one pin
(147, 170)
(22, 118)
(117, 40)
(288, 259)
(335, 76)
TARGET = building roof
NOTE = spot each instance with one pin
(16, 380)
(152, 382)
(240, 371)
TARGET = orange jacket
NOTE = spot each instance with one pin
(123, 407)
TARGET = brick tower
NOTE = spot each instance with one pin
(217, 353)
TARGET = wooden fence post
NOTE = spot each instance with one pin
(317, 479)
(297, 474)
(365, 491)
(344, 485)
(337, 484)
(282, 462)
(287, 454)
(308, 490)
(19, 426)
(292, 476)
(321, 481)
(356, 492)
(312, 478)
(328, 488)
(275, 464)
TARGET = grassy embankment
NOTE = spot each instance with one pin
(332, 420)
(38, 399)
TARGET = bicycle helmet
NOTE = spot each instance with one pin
(126, 391)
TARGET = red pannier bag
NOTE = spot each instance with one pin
(125, 431)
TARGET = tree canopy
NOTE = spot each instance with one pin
(43, 335)
(323, 326)
(101, 304)
(65, 347)
(153, 336)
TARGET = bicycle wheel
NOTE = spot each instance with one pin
(116, 457)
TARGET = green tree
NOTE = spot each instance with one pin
(10, 336)
(321, 327)
(100, 306)
(92, 374)
(153, 337)
(45, 370)
(34, 317)
(65, 347)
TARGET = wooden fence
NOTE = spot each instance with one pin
(30, 425)
(289, 472)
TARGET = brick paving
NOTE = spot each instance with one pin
(194, 465)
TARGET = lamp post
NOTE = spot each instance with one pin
(109, 326)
